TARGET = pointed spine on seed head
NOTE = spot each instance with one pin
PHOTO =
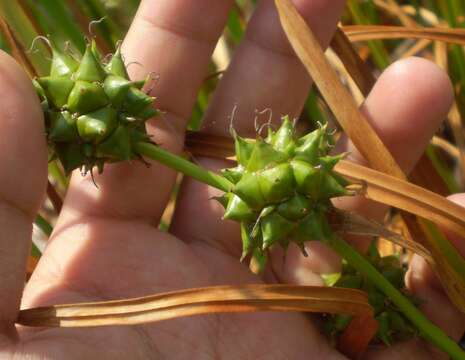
(231, 129)
(90, 68)
(116, 65)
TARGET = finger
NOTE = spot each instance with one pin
(406, 107)
(422, 281)
(264, 73)
(435, 304)
(22, 181)
(173, 39)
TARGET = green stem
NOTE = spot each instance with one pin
(57, 174)
(379, 52)
(46, 228)
(43, 225)
(182, 165)
(428, 330)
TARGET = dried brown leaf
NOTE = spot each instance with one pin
(217, 299)
(351, 223)
(382, 32)
(406, 196)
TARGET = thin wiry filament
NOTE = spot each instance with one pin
(93, 23)
(231, 120)
(257, 113)
(39, 37)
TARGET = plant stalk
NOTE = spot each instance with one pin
(184, 166)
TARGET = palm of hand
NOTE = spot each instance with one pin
(134, 259)
(105, 246)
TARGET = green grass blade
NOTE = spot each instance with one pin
(444, 172)
(235, 28)
(25, 33)
(313, 111)
(54, 18)
(4, 44)
(43, 225)
(46, 228)
(378, 51)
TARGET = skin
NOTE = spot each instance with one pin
(105, 244)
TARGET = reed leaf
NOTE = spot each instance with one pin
(54, 18)
(25, 33)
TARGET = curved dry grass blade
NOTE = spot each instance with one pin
(418, 46)
(216, 146)
(449, 148)
(216, 299)
(382, 32)
(355, 66)
(406, 196)
(394, 8)
(351, 223)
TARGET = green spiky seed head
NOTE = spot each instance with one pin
(94, 113)
(282, 189)
(393, 326)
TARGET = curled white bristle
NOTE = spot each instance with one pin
(93, 23)
(39, 37)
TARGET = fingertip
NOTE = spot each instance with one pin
(420, 276)
(418, 71)
(407, 106)
(458, 198)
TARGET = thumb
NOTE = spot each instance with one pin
(23, 176)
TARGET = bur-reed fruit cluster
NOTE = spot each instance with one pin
(94, 113)
(282, 189)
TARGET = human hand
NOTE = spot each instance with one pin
(105, 245)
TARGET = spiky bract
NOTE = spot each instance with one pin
(282, 189)
(93, 112)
